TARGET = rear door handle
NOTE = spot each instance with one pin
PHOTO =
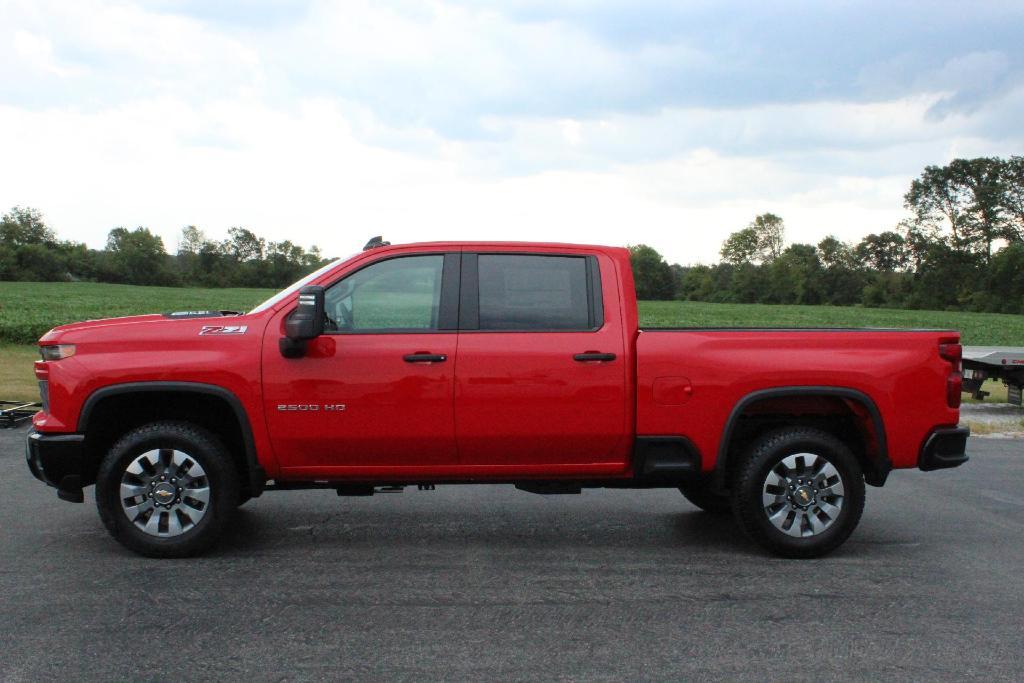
(425, 358)
(592, 355)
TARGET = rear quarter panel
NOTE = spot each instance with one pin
(900, 371)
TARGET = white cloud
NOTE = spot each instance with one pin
(458, 121)
(36, 54)
(304, 176)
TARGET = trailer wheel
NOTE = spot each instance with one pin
(799, 492)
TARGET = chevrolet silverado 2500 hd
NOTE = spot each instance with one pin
(516, 363)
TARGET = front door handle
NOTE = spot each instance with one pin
(425, 358)
(593, 355)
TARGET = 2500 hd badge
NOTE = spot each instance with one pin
(311, 407)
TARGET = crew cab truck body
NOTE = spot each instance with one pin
(483, 362)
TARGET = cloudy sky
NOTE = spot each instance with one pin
(668, 123)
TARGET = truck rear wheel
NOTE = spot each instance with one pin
(701, 494)
(799, 492)
(167, 489)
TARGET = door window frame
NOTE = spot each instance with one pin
(448, 306)
(469, 293)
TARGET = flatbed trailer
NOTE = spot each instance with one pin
(1004, 363)
(13, 413)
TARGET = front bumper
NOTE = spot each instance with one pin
(945, 447)
(56, 459)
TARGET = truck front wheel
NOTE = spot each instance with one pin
(799, 492)
(167, 489)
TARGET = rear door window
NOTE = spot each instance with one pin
(534, 293)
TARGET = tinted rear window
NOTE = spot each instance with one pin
(533, 292)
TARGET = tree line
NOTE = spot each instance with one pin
(30, 250)
(961, 247)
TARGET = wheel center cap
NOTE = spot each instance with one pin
(803, 496)
(163, 494)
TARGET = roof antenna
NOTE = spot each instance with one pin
(376, 242)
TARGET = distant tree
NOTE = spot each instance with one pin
(796, 276)
(22, 226)
(945, 278)
(885, 252)
(971, 197)
(29, 250)
(696, 282)
(919, 239)
(1006, 286)
(936, 198)
(653, 277)
(835, 253)
(243, 245)
(1013, 198)
(760, 242)
(771, 232)
(983, 179)
(886, 289)
(745, 284)
(39, 263)
(843, 281)
(192, 240)
(80, 261)
(741, 247)
(8, 263)
(213, 268)
(136, 257)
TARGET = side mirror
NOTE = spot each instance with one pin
(305, 323)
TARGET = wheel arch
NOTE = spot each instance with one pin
(860, 408)
(212, 406)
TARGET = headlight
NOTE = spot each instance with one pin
(57, 351)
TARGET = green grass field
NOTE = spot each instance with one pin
(28, 309)
(977, 329)
(17, 382)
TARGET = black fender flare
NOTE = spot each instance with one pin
(877, 469)
(257, 475)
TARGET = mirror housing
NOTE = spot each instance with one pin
(306, 322)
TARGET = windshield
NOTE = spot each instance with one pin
(292, 289)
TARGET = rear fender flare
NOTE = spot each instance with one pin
(877, 469)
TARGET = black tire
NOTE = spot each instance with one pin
(199, 445)
(701, 494)
(750, 476)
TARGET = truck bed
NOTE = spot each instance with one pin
(899, 373)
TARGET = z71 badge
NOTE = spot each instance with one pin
(223, 329)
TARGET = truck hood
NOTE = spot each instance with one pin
(62, 331)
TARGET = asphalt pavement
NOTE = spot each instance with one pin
(490, 583)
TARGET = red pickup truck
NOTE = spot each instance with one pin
(515, 363)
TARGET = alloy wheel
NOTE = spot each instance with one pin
(803, 495)
(165, 492)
